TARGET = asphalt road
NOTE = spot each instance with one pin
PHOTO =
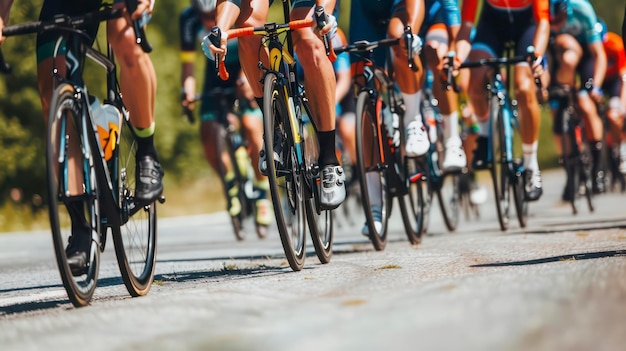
(560, 284)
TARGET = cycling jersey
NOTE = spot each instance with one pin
(615, 55)
(192, 31)
(581, 21)
(294, 4)
(51, 8)
(507, 8)
(503, 21)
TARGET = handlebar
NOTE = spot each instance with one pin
(366, 46)
(493, 62)
(67, 23)
(268, 28)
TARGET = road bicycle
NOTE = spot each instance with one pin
(381, 158)
(505, 167)
(445, 185)
(232, 146)
(294, 175)
(576, 154)
(108, 184)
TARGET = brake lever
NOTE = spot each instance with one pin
(139, 26)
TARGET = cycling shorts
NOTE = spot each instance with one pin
(585, 66)
(369, 21)
(612, 86)
(51, 8)
(496, 29)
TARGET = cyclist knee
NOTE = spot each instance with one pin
(310, 51)
(124, 45)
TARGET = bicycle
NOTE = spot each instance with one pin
(506, 171)
(576, 155)
(380, 146)
(446, 185)
(108, 187)
(232, 146)
(295, 176)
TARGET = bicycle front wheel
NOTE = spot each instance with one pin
(371, 170)
(284, 174)
(448, 190)
(499, 168)
(135, 239)
(412, 204)
(320, 221)
(72, 189)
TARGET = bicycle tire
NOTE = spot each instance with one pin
(225, 148)
(448, 190)
(369, 160)
(62, 127)
(320, 221)
(412, 203)
(135, 240)
(586, 176)
(286, 179)
(499, 169)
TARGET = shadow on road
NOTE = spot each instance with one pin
(572, 257)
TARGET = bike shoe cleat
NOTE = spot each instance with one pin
(333, 187)
(532, 185)
(149, 180)
(480, 153)
(377, 215)
(417, 143)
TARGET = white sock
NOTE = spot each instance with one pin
(373, 188)
(484, 126)
(412, 104)
(530, 156)
(451, 126)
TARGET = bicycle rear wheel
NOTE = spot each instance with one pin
(69, 157)
(499, 167)
(135, 239)
(284, 175)
(521, 205)
(371, 168)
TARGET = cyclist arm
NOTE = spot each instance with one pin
(5, 8)
(189, 24)
(599, 56)
(468, 16)
(412, 13)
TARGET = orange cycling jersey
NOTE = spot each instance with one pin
(541, 8)
(616, 58)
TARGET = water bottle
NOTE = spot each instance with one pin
(108, 120)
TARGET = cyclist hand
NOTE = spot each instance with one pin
(416, 44)
(328, 25)
(143, 6)
(538, 66)
(213, 45)
(187, 100)
(2, 37)
(596, 94)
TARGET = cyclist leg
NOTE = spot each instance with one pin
(81, 230)
(312, 56)
(530, 112)
(409, 81)
(434, 51)
(138, 85)
(613, 87)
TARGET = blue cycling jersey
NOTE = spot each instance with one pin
(581, 21)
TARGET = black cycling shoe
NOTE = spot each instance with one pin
(532, 185)
(480, 153)
(77, 251)
(148, 179)
(567, 195)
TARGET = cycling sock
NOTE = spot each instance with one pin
(230, 175)
(412, 105)
(327, 148)
(483, 126)
(76, 209)
(530, 156)
(145, 147)
(262, 184)
(451, 125)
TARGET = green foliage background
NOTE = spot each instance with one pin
(22, 164)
